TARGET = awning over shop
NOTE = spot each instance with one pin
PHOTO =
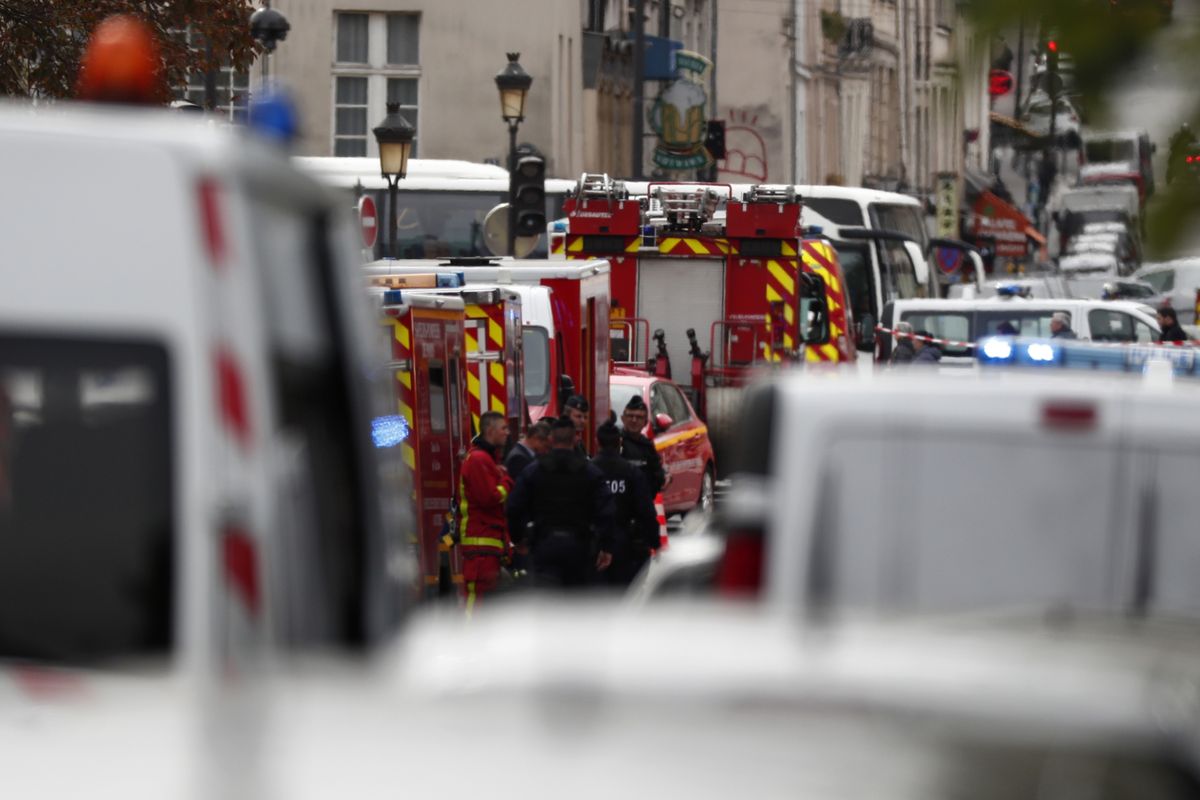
(1007, 131)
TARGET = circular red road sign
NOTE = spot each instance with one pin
(999, 82)
(368, 221)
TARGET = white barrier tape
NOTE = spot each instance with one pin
(952, 343)
(926, 339)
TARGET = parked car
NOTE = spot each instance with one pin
(1127, 153)
(1178, 282)
(1036, 116)
(679, 435)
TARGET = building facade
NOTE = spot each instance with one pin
(882, 93)
(345, 59)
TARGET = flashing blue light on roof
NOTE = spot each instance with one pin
(1010, 290)
(1040, 352)
(393, 297)
(559, 225)
(814, 230)
(996, 349)
(451, 280)
(273, 116)
(389, 430)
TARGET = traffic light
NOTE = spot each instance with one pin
(714, 139)
(1052, 56)
(527, 196)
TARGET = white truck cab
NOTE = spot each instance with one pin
(187, 473)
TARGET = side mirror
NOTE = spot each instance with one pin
(866, 333)
(814, 320)
(662, 422)
(920, 265)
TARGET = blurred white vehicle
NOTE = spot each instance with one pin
(707, 701)
(187, 473)
(1179, 283)
(1036, 116)
(910, 492)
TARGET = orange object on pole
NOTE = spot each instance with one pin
(122, 64)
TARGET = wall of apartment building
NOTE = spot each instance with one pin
(462, 45)
(754, 90)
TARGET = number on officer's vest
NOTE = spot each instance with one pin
(617, 487)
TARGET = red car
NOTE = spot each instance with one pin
(680, 437)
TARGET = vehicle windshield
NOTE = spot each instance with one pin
(1162, 281)
(1100, 151)
(536, 352)
(442, 224)
(619, 395)
(856, 270)
(86, 500)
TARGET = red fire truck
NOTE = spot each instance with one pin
(425, 340)
(565, 324)
(492, 343)
(755, 289)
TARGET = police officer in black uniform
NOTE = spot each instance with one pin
(635, 524)
(567, 500)
(637, 449)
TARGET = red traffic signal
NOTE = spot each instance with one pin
(1000, 82)
(1052, 46)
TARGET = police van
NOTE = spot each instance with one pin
(1056, 491)
(187, 472)
(958, 324)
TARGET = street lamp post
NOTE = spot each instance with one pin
(395, 137)
(269, 28)
(513, 82)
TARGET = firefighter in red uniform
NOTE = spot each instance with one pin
(483, 491)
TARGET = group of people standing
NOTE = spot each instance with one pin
(571, 521)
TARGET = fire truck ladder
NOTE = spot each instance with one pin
(685, 210)
(598, 186)
(768, 193)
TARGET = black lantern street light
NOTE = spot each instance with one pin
(513, 82)
(268, 27)
(395, 137)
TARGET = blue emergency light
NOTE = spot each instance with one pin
(393, 297)
(1007, 351)
(389, 430)
(451, 280)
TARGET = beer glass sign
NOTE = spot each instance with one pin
(679, 116)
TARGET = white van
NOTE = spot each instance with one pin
(187, 476)
(967, 321)
(910, 492)
(442, 202)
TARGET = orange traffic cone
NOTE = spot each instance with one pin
(661, 511)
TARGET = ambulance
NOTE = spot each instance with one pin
(748, 287)
(427, 371)
(565, 325)
(492, 339)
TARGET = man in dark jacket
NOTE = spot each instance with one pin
(566, 500)
(926, 352)
(635, 521)
(1168, 320)
(535, 442)
(637, 449)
